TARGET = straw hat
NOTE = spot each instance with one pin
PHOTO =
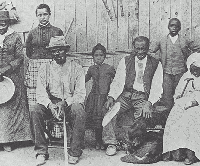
(7, 90)
(58, 42)
(4, 15)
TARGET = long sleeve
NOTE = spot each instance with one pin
(18, 54)
(88, 75)
(154, 47)
(41, 93)
(60, 32)
(180, 86)
(29, 48)
(118, 83)
(80, 90)
(112, 72)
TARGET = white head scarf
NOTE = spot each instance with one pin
(193, 58)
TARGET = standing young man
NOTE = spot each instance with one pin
(174, 51)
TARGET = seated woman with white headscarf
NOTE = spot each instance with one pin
(182, 130)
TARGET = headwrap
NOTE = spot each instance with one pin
(193, 58)
(99, 47)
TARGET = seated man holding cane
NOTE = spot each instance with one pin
(60, 79)
(131, 88)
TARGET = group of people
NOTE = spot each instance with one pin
(60, 89)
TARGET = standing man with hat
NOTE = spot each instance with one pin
(14, 119)
(61, 78)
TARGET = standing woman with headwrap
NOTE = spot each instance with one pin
(182, 134)
(14, 119)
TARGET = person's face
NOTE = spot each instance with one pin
(3, 26)
(194, 70)
(59, 56)
(141, 49)
(98, 57)
(43, 15)
(174, 27)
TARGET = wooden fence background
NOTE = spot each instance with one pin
(87, 21)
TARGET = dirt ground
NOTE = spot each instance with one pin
(23, 155)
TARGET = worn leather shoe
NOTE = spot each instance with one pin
(41, 159)
(7, 148)
(188, 162)
(111, 150)
(72, 159)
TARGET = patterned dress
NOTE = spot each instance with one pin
(37, 40)
(14, 119)
(102, 77)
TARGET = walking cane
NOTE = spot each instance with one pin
(65, 131)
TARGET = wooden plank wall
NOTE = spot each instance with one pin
(87, 22)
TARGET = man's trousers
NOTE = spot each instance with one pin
(75, 116)
(136, 102)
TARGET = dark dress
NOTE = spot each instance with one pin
(102, 77)
(14, 119)
(37, 41)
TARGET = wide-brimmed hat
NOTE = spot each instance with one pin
(7, 90)
(111, 114)
(4, 15)
(58, 42)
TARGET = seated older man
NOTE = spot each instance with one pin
(60, 79)
(130, 87)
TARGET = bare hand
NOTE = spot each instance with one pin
(190, 104)
(178, 97)
(54, 110)
(4, 69)
(147, 114)
(109, 103)
(147, 110)
(61, 108)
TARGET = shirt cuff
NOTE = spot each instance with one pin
(111, 97)
(69, 100)
(45, 103)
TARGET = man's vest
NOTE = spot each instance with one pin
(149, 71)
(175, 60)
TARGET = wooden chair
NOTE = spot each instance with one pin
(55, 133)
